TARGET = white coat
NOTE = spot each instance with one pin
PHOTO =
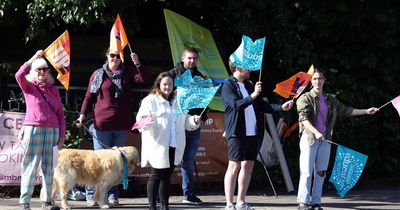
(156, 137)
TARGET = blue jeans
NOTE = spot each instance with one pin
(192, 142)
(313, 158)
(106, 140)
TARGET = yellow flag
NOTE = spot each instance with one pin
(311, 70)
(59, 55)
(183, 33)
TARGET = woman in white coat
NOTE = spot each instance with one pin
(163, 141)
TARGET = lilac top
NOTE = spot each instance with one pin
(40, 112)
(322, 115)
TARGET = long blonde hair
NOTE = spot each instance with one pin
(37, 63)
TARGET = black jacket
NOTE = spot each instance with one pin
(234, 103)
(177, 71)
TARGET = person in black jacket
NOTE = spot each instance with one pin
(244, 128)
(189, 62)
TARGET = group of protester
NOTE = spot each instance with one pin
(172, 138)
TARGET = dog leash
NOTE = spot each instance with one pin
(94, 137)
(125, 171)
(125, 162)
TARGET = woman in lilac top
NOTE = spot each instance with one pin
(43, 128)
(110, 92)
(318, 112)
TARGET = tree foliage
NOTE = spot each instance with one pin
(52, 15)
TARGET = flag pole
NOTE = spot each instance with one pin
(203, 111)
(332, 142)
(259, 77)
(385, 104)
(130, 47)
(266, 171)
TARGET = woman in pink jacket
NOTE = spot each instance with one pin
(43, 128)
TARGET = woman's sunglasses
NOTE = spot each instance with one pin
(112, 55)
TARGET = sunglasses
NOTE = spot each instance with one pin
(112, 55)
(43, 69)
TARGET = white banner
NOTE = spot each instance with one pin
(11, 148)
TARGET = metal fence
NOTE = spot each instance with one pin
(71, 99)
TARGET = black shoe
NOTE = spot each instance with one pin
(317, 207)
(49, 206)
(192, 199)
(303, 206)
(153, 207)
(164, 207)
(24, 206)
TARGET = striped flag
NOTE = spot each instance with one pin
(295, 85)
(59, 55)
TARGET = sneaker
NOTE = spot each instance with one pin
(76, 196)
(113, 202)
(316, 207)
(244, 206)
(230, 207)
(303, 206)
(192, 199)
(49, 206)
(91, 203)
(24, 206)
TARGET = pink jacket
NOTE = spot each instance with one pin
(38, 110)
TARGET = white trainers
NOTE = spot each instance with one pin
(76, 195)
(230, 207)
(244, 206)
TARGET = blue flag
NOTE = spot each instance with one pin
(186, 81)
(249, 54)
(348, 167)
(189, 98)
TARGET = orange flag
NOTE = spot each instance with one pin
(295, 85)
(59, 55)
(118, 38)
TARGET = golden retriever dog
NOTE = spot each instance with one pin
(100, 169)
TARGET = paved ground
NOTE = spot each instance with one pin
(373, 199)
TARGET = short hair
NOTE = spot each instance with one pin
(321, 71)
(192, 50)
(38, 63)
(232, 66)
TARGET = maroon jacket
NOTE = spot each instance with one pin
(112, 113)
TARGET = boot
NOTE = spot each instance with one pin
(153, 206)
(164, 206)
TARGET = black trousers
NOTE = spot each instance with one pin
(160, 181)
